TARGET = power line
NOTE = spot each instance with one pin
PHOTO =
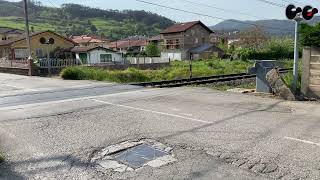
(222, 9)
(272, 3)
(206, 15)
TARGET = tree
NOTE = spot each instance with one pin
(310, 35)
(152, 50)
(93, 29)
(253, 38)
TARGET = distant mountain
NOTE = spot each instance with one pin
(273, 27)
(74, 19)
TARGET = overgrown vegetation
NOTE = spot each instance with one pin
(73, 19)
(255, 44)
(274, 48)
(288, 78)
(88, 73)
(178, 70)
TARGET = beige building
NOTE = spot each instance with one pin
(16, 48)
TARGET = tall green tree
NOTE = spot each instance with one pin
(310, 35)
(152, 50)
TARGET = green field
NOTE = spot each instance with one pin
(110, 28)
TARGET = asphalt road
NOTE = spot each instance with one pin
(50, 129)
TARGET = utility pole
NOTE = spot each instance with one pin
(190, 67)
(297, 20)
(30, 62)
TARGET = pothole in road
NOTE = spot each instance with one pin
(133, 155)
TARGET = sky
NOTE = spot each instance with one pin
(249, 9)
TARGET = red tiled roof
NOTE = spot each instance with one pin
(183, 27)
(128, 43)
(86, 39)
(155, 38)
(86, 49)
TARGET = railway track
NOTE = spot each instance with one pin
(201, 80)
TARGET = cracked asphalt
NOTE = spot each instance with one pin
(50, 129)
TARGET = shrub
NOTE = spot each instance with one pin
(87, 73)
(127, 76)
(73, 73)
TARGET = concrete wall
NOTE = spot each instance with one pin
(311, 72)
(147, 60)
(13, 70)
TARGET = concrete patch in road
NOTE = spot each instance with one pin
(134, 155)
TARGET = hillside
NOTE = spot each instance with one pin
(76, 19)
(273, 27)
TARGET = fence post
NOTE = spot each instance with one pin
(30, 66)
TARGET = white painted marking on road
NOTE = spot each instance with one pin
(19, 88)
(303, 141)
(71, 100)
(184, 114)
(152, 111)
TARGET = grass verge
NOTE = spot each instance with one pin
(177, 70)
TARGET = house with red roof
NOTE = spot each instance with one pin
(190, 40)
(135, 45)
(90, 41)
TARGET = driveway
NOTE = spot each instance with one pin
(52, 129)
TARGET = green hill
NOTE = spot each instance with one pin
(73, 19)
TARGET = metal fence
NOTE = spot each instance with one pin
(57, 63)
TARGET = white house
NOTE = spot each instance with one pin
(97, 55)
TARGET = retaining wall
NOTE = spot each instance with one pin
(310, 86)
(14, 70)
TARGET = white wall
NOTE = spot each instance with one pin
(172, 55)
(147, 60)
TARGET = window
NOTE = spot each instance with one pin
(196, 41)
(21, 53)
(39, 53)
(105, 58)
(177, 44)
